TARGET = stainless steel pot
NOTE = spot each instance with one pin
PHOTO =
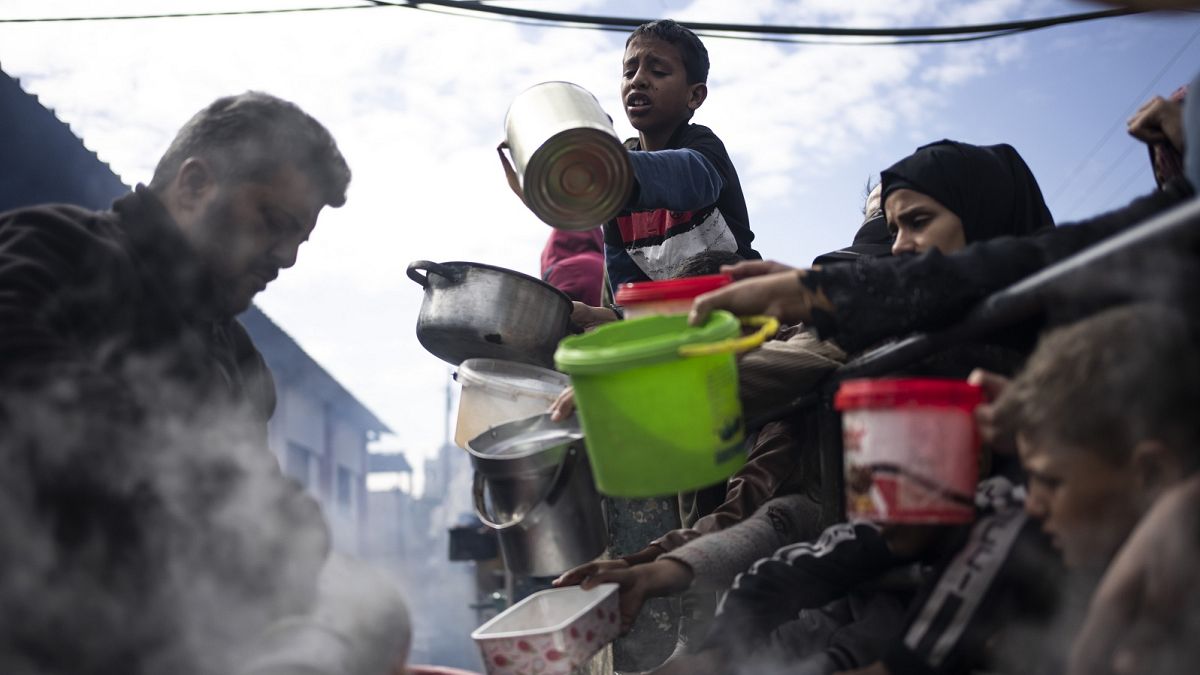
(533, 486)
(574, 172)
(473, 310)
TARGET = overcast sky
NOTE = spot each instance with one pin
(417, 99)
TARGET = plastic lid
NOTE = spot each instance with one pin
(511, 377)
(671, 289)
(891, 393)
(639, 342)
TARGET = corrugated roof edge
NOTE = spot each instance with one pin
(65, 124)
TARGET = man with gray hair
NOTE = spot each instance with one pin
(145, 526)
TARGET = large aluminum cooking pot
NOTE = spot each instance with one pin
(571, 169)
(533, 486)
(473, 310)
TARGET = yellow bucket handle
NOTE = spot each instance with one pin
(768, 326)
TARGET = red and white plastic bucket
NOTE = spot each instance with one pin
(911, 449)
(672, 296)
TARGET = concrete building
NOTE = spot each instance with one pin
(320, 432)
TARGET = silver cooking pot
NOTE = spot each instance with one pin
(533, 486)
(473, 310)
(572, 170)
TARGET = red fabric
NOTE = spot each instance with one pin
(573, 262)
(651, 224)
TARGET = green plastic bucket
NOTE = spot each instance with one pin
(658, 401)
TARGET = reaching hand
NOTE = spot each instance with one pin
(780, 295)
(572, 577)
(990, 432)
(754, 268)
(1159, 120)
(563, 406)
(587, 317)
(637, 583)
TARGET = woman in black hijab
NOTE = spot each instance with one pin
(949, 194)
(871, 299)
(945, 197)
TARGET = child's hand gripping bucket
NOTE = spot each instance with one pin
(658, 400)
(911, 449)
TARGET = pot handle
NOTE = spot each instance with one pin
(560, 476)
(514, 183)
(414, 269)
(768, 326)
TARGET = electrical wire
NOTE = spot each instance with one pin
(863, 43)
(1117, 196)
(722, 36)
(185, 15)
(1079, 201)
(931, 35)
(1137, 100)
(760, 29)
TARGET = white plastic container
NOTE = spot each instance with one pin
(911, 449)
(550, 632)
(495, 392)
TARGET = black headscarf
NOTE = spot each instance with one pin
(873, 240)
(989, 187)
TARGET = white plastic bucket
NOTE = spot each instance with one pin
(551, 632)
(495, 392)
(911, 449)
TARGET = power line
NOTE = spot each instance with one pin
(1122, 120)
(1116, 195)
(941, 34)
(1103, 176)
(857, 43)
(628, 22)
(185, 15)
(711, 34)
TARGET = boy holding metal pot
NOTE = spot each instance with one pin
(687, 197)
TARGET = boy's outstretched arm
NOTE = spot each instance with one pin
(679, 180)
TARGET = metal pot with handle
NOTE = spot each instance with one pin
(472, 310)
(533, 486)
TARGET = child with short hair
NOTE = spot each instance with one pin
(687, 197)
(1105, 414)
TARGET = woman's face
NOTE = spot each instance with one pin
(920, 223)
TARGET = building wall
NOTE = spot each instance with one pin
(347, 497)
(300, 443)
(326, 454)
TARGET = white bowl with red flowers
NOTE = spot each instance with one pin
(551, 632)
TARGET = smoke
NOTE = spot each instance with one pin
(144, 525)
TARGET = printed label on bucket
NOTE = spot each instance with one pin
(914, 465)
